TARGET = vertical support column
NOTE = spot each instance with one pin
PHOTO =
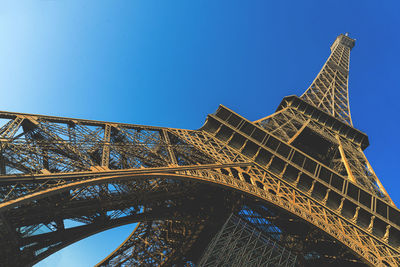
(45, 159)
(72, 132)
(7, 133)
(346, 163)
(2, 160)
(171, 153)
(105, 157)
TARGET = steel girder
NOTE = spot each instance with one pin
(62, 179)
(231, 169)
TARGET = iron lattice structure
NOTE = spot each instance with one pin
(298, 177)
(238, 244)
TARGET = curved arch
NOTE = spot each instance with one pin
(285, 196)
(90, 230)
(161, 209)
(79, 238)
(120, 246)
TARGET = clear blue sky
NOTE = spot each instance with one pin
(170, 63)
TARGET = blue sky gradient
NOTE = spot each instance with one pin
(170, 63)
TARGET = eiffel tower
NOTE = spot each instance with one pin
(291, 189)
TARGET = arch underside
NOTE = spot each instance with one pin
(313, 246)
(178, 217)
(180, 185)
(171, 202)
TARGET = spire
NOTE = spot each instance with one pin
(329, 90)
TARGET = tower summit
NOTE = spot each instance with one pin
(328, 93)
(291, 189)
(343, 39)
(329, 90)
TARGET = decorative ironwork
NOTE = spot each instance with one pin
(298, 176)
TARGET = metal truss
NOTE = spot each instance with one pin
(343, 155)
(299, 177)
(329, 90)
(239, 244)
(319, 200)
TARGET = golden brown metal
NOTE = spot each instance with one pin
(329, 90)
(301, 169)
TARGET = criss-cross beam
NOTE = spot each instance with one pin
(99, 200)
(62, 179)
(57, 161)
(329, 90)
(43, 154)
